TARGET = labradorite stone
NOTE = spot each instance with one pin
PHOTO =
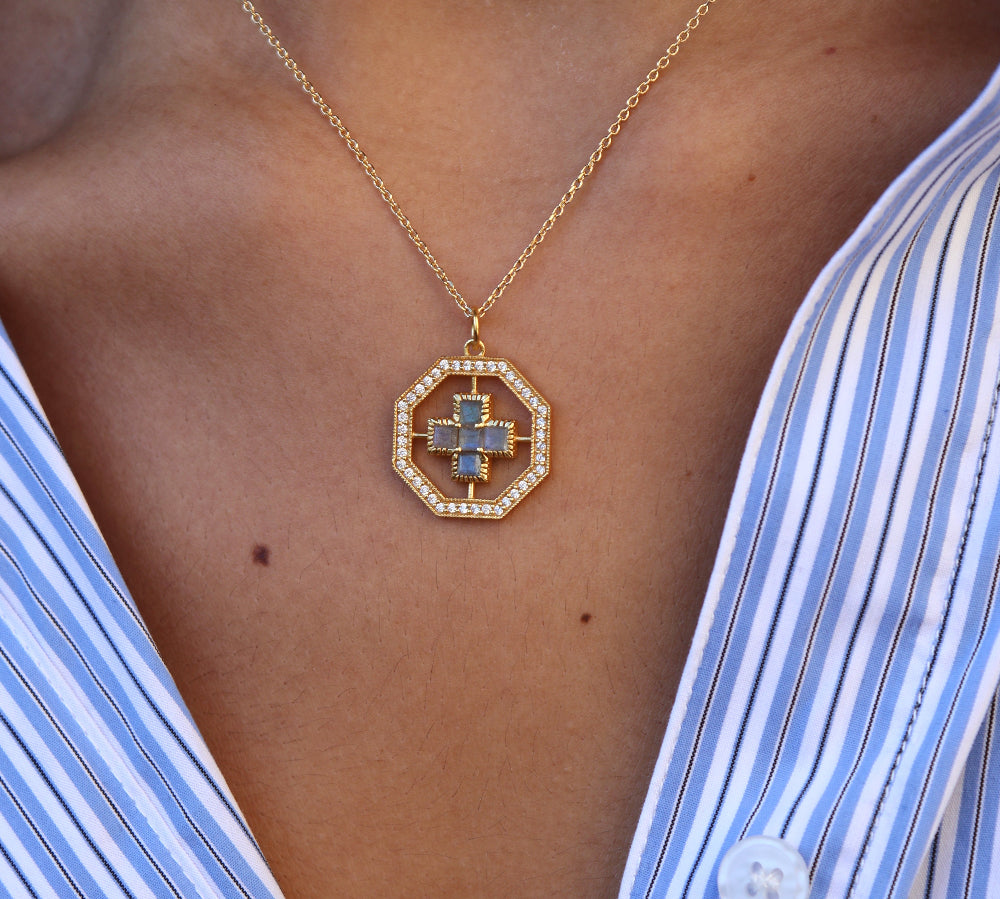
(470, 412)
(470, 465)
(495, 438)
(445, 437)
(470, 438)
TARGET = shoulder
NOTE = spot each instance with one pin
(54, 54)
(51, 50)
(113, 116)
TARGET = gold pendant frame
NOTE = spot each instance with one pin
(408, 435)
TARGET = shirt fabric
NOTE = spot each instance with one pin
(841, 688)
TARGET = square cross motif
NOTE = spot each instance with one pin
(471, 437)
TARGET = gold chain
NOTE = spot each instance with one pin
(567, 198)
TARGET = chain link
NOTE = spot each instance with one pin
(633, 101)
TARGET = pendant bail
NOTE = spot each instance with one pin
(474, 346)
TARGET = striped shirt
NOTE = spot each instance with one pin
(840, 692)
(841, 689)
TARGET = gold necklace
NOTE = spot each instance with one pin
(471, 437)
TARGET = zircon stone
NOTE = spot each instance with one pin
(475, 509)
(480, 365)
(411, 396)
(491, 366)
(426, 381)
(502, 366)
(424, 490)
(523, 485)
(436, 373)
(467, 365)
(439, 507)
(452, 507)
(445, 365)
(464, 508)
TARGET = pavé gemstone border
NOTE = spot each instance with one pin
(404, 437)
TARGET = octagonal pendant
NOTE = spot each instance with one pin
(472, 437)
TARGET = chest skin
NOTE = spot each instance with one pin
(218, 321)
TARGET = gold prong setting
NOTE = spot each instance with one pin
(413, 438)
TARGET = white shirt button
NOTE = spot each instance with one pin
(763, 868)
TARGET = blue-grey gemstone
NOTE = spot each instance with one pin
(470, 465)
(470, 438)
(445, 437)
(495, 438)
(470, 412)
